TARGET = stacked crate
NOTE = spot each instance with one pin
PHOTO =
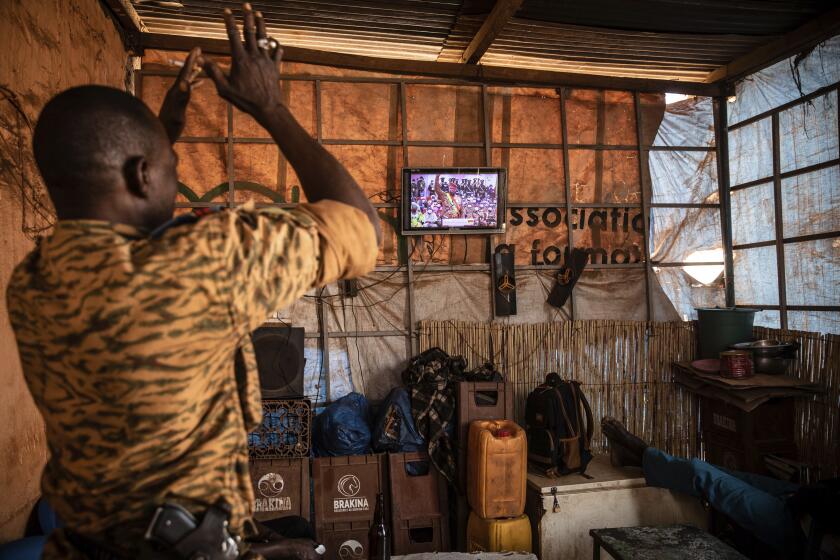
(279, 459)
(345, 500)
(419, 505)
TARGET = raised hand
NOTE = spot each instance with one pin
(174, 108)
(253, 84)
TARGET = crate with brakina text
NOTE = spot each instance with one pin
(344, 541)
(346, 487)
(281, 487)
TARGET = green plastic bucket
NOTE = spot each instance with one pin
(720, 327)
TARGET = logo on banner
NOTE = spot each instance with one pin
(351, 550)
(349, 486)
(270, 486)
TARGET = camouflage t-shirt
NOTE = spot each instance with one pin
(127, 343)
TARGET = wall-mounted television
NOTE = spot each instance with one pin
(453, 200)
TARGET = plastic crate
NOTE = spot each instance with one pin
(412, 476)
(413, 536)
(344, 541)
(286, 430)
(346, 487)
(281, 487)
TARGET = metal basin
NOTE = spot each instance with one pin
(770, 356)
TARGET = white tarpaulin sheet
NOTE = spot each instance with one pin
(685, 177)
(808, 136)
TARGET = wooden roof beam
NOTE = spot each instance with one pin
(811, 33)
(501, 13)
(447, 70)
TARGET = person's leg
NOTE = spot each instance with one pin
(761, 513)
(772, 486)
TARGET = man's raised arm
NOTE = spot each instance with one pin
(253, 86)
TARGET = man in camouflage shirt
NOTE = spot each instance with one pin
(127, 327)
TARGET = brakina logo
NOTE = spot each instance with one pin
(271, 485)
(349, 485)
(351, 550)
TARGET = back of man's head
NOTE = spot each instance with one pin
(84, 138)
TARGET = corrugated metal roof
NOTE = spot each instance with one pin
(569, 48)
(669, 39)
(715, 17)
(409, 29)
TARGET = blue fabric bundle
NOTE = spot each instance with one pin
(342, 429)
(394, 430)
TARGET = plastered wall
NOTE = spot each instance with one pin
(45, 47)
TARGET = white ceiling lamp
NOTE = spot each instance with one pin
(705, 273)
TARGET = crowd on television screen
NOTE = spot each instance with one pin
(436, 198)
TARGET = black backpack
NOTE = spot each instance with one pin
(558, 441)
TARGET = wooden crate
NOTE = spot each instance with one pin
(345, 540)
(413, 536)
(419, 504)
(346, 487)
(281, 488)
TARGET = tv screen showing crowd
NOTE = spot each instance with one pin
(454, 200)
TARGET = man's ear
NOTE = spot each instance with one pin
(137, 176)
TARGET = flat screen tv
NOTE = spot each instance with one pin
(453, 200)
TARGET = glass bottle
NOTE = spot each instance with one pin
(379, 537)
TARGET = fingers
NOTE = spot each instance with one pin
(249, 29)
(219, 78)
(261, 32)
(191, 69)
(236, 49)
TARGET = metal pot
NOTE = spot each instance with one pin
(770, 356)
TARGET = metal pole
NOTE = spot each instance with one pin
(325, 344)
(643, 183)
(777, 204)
(411, 346)
(724, 194)
(567, 180)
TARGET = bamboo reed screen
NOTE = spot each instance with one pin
(625, 370)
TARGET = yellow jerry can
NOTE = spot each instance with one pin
(497, 468)
(498, 535)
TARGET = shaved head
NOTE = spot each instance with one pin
(104, 155)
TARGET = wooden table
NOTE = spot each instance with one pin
(668, 542)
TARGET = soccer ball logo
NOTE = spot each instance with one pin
(349, 485)
(271, 485)
(351, 550)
